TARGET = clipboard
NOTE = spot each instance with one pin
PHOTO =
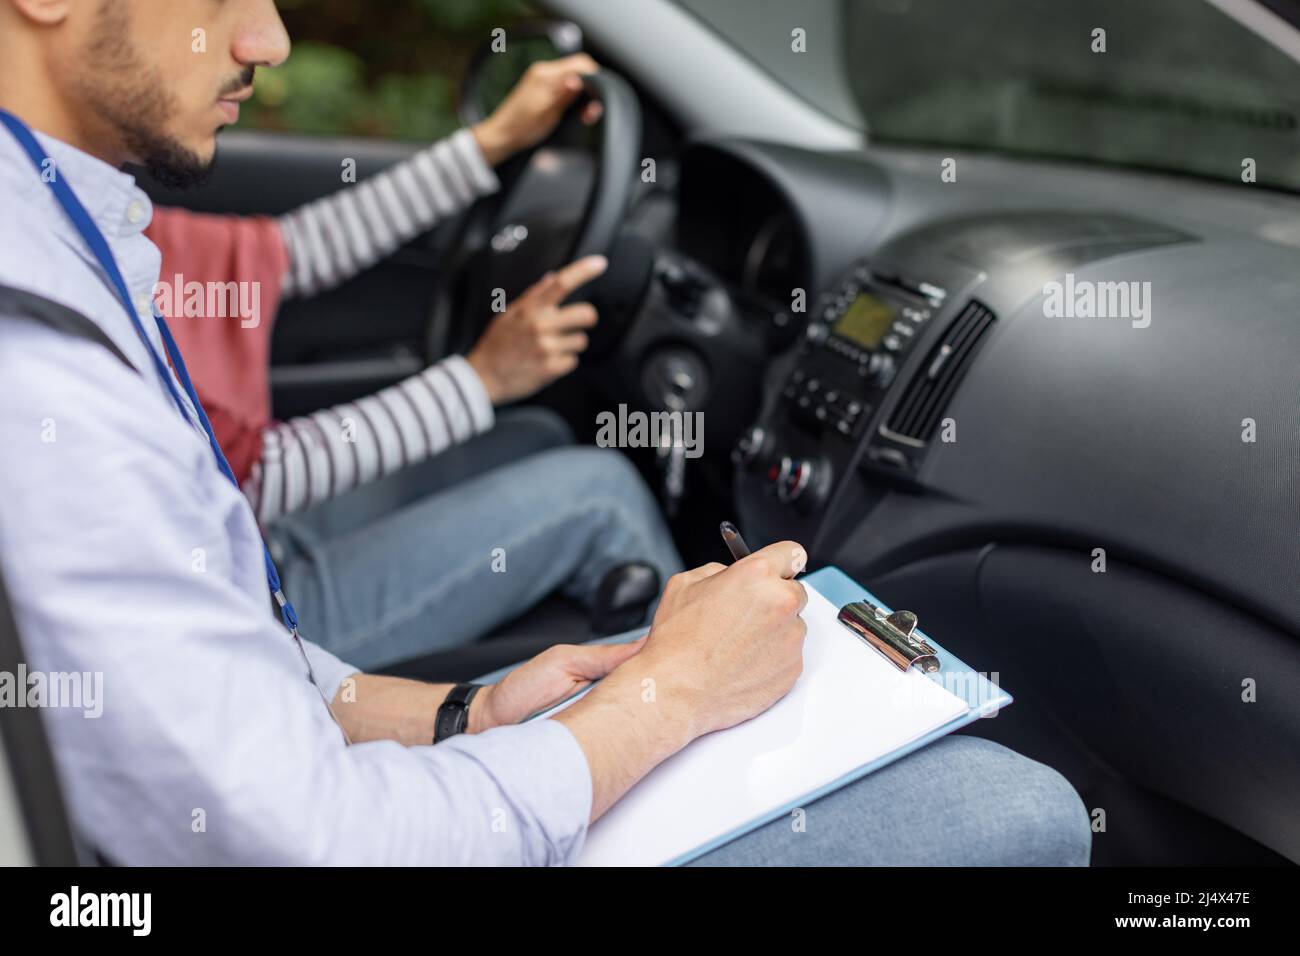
(692, 797)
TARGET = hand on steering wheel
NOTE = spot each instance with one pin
(534, 107)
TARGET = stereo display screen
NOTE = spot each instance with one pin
(866, 321)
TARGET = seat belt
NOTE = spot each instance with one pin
(19, 303)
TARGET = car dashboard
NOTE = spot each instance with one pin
(1099, 507)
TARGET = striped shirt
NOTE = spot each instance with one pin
(310, 459)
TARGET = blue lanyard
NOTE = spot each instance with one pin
(85, 225)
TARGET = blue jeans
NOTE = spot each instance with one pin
(961, 801)
(437, 555)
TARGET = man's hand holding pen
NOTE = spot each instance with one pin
(725, 645)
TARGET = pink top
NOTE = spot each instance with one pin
(229, 357)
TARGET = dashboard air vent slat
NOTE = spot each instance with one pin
(927, 395)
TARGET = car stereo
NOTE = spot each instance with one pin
(853, 350)
(857, 339)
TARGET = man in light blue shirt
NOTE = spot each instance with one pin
(130, 555)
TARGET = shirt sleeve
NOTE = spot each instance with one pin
(341, 235)
(313, 458)
(212, 747)
(330, 672)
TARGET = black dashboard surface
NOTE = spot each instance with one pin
(1087, 430)
(1115, 529)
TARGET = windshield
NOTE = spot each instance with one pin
(1170, 84)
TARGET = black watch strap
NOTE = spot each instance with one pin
(453, 713)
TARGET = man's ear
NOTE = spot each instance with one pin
(43, 12)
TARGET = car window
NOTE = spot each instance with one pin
(1170, 84)
(388, 69)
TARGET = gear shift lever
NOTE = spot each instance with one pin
(671, 458)
(624, 596)
(675, 379)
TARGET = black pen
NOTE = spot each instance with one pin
(735, 543)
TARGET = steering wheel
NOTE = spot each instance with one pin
(515, 256)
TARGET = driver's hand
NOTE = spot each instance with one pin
(536, 340)
(535, 106)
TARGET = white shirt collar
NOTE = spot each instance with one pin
(119, 207)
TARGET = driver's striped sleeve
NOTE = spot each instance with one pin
(334, 238)
(313, 458)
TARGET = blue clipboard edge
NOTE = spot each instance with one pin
(982, 696)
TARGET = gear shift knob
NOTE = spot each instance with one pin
(625, 594)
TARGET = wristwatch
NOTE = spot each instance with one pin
(453, 713)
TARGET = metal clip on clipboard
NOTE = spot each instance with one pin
(892, 635)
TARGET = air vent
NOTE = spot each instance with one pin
(919, 410)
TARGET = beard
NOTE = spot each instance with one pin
(172, 165)
(132, 103)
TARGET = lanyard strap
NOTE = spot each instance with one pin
(94, 238)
